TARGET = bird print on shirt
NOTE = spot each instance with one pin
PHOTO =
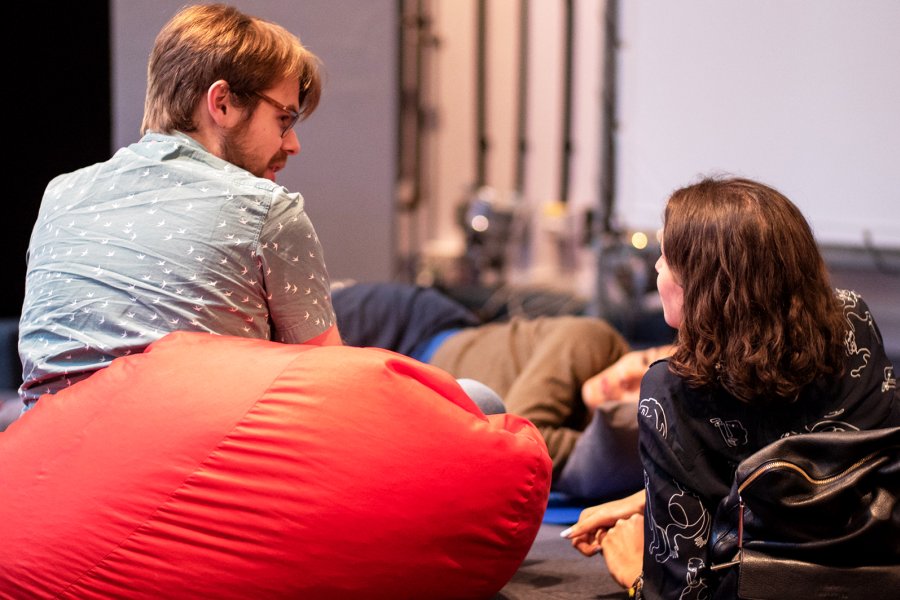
(243, 261)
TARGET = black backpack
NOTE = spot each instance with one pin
(813, 515)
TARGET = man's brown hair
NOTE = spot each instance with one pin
(205, 43)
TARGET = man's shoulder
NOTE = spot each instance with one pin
(161, 161)
(70, 179)
(180, 151)
(177, 155)
(118, 162)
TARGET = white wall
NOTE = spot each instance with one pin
(450, 78)
(801, 94)
(347, 165)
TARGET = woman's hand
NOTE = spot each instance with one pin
(622, 379)
(594, 523)
(623, 549)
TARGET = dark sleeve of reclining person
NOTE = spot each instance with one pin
(395, 316)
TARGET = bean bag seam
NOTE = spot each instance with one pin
(531, 484)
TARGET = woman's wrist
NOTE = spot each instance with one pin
(636, 590)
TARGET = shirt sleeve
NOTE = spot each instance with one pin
(293, 269)
(868, 392)
(677, 520)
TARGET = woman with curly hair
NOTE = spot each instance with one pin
(765, 349)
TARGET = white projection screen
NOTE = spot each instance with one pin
(801, 94)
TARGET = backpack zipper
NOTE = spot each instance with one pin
(777, 464)
(769, 466)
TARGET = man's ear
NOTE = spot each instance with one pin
(219, 105)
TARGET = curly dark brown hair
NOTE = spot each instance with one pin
(760, 319)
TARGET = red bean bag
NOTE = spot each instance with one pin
(215, 467)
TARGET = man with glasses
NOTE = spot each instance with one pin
(185, 229)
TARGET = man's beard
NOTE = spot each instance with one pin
(234, 151)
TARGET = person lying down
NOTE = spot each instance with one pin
(574, 377)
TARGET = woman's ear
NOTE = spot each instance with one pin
(219, 105)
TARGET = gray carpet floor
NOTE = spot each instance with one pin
(553, 570)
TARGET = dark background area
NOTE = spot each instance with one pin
(59, 112)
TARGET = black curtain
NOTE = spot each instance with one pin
(57, 113)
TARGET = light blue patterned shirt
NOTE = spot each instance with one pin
(164, 236)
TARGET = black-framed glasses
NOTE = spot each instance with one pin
(295, 116)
